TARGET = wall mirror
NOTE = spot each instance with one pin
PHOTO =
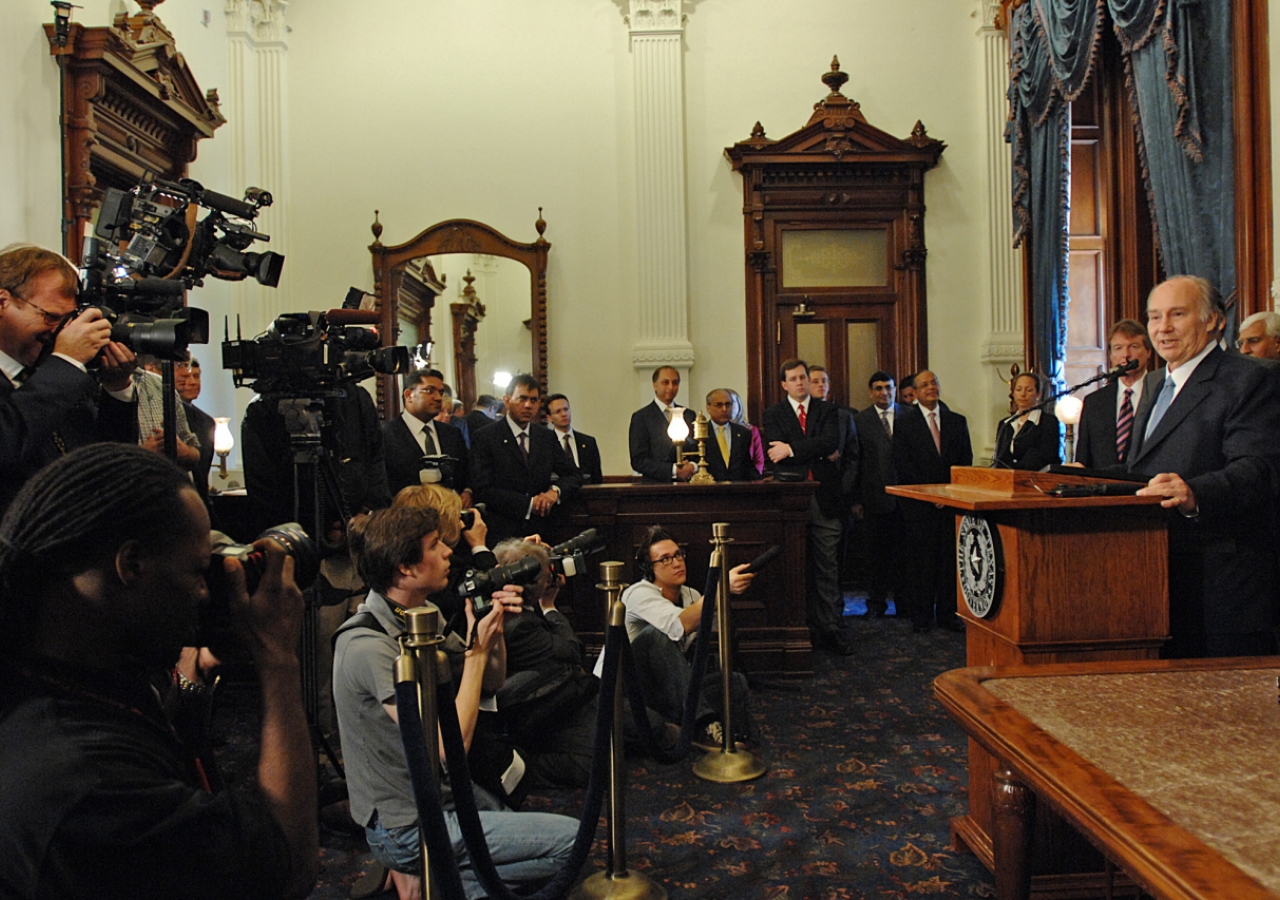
(478, 296)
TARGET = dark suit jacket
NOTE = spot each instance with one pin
(811, 448)
(202, 425)
(503, 480)
(652, 451)
(1096, 436)
(917, 459)
(476, 421)
(1221, 434)
(588, 456)
(850, 451)
(404, 455)
(875, 467)
(1034, 447)
(57, 397)
(741, 467)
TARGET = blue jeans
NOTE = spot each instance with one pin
(526, 847)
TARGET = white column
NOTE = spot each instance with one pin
(258, 126)
(657, 65)
(1003, 344)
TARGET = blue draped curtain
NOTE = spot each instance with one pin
(1177, 63)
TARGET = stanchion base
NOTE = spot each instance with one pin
(629, 886)
(729, 767)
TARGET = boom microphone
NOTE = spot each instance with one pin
(353, 317)
(1122, 369)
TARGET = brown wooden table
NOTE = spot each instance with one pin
(769, 619)
(1170, 768)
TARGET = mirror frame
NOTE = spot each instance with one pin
(457, 236)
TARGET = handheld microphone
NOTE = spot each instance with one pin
(762, 560)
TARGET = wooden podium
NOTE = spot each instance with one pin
(1068, 580)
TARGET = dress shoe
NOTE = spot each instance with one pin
(876, 612)
(835, 642)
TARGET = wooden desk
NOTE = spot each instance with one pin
(768, 620)
(1170, 768)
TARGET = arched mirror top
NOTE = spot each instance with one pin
(399, 299)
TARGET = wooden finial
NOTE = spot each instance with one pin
(376, 228)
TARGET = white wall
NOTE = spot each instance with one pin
(431, 111)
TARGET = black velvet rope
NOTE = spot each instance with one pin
(426, 794)
(635, 695)
(464, 796)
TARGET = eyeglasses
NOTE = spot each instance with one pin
(1250, 342)
(669, 559)
(51, 319)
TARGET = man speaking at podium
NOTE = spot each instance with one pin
(1206, 435)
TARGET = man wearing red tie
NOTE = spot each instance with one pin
(801, 435)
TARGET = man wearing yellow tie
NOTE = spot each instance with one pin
(729, 450)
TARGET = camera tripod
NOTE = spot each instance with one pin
(303, 419)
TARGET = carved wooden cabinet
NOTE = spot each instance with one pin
(835, 249)
(130, 107)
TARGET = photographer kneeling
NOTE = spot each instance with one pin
(102, 562)
(402, 557)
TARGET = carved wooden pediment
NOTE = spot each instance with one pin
(837, 132)
(131, 107)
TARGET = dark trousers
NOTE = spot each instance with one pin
(930, 567)
(884, 564)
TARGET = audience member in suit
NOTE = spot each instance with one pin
(451, 414)
(880, 512)
(1031, 438)
(49, 402)
(726, 435)
(653, 454)
(1259, 336)
(484, 412)
(1206, 436)
(802, 434)
(520, 473)
(186, 378)
(846, 458)
(581, 448)
(927, 441)
(1106, 421)
(739, 416)
(416, 433)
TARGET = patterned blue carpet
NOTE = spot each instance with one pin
(865, 770)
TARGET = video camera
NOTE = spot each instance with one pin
(567, 559)
(148, 249)
(309, 353)
(570, 558)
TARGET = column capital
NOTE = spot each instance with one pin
(656, 16)
(648, 355)
(990, 15)
(261, 21)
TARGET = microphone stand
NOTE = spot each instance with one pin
(1008, 421)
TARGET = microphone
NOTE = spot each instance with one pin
(353, 317)
(1122, 369)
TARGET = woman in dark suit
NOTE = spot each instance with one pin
(1031, 437)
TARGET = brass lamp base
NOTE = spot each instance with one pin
(629, 886)
(729, 767)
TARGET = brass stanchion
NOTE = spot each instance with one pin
(423, 662)
(728, 765)
(616, 882)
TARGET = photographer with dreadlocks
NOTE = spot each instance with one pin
(402, 556)
(103, 792)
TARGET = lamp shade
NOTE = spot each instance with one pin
(223, 440)
(501, 379)
(1067, 409)
(678, 430)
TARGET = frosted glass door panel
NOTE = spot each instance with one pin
(835, 257)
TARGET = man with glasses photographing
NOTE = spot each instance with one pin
(663, 617)
(49, 401)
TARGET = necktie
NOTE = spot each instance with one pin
(723, 440)
(524, 447)
(27, 372)
(884, 420)
(1124, 425)
(668, 412)
(429, 441)
(1162, 404)
(568, 449)
(937, 435)
(804, 419)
